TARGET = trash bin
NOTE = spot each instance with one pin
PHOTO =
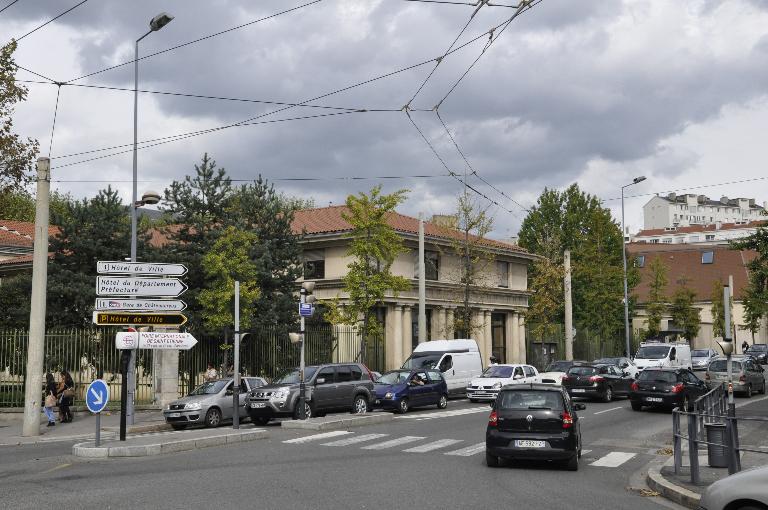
(717, 456)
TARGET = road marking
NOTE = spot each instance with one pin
(751, 401)
(354, 440)
(443, 414)
(469, 450)
(60, 466)
(435, 445)
(393, 442)
(315, 437)
(613, 459)
(608, 410)
(584, 452)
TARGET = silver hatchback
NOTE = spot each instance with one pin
(210, 404)
(748, 376)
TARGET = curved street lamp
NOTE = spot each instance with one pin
(624, 256)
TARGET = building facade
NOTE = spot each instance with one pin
(717, 233)
(675, 210)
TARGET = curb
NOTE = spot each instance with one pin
(87, 450)
(669, 490)
(338, 423)
(140, 429)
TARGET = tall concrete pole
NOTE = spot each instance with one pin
(33, 380)
(568, 307)
(422, 284)
(728, 304)
(236, 385)
(626, 290)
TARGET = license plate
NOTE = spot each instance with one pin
(578, 390)
(258, 405)
(524, 443)
(174, 415)
(654, 399)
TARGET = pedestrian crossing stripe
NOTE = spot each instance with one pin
(315, 437)
(469, 450)
(435, 445)
(354, 440)
(442, 414)
(393, 442)
(613, 459)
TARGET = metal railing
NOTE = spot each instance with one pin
(711, 409)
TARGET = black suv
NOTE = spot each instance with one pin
(330, 387)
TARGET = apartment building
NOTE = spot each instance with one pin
(687, 210)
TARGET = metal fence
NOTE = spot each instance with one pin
(547, 344)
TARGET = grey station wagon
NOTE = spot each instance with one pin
(210, 403)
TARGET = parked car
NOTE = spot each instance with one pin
(400, 390)
(556, 370)
(700, 358)
(597, 381)
(666, 387)
(487, 386)
(458, 360)
(210, 403)
(660, 355)
(747, 375)
(534, 422)
(760, 352)
(329, 387)
(740, 491)
(624, 365)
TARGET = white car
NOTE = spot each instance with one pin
(555, 372)
(743, 490)
(624, 364)
(487, 386)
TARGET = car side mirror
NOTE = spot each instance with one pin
(624, 365)
(517, 377)
(229, 393)
(579, 407)
(320, 380)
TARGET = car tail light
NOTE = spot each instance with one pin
(565, 378)
(596, 378)
(677, 388)
(567, 420)
(493, 419)
(635, 386)
(743, 378)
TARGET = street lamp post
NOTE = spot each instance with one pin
(306, 297)
(624, 256)
(155, 24)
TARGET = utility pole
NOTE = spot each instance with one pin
(422, 284)
(33, 379)
(236, 383)
(568, 307)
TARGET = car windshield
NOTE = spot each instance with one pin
(700, 353)
(721, 365)
(293, 376)
(209, 388)
(559, 366)
(498, 372)
(758, 347)
(582, 371)
(658, 376)
(608, 361)
(525, 400)
(652, 352)
(396, 377)
(422, 360)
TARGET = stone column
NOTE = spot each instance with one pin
(510, 336)
(166, 369)
(389, 335)
(397, 341)
(407, 347)
(488, 334)
(439, 314)
(521, 339)
(434, 326)
(449, 323)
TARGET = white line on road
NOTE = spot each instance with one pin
(435, 445)
(315, 437)
(751, 401)
(584, 452)
(613, 459)
(608, 410)
(355, 440)
(393, 442)
(444, 414)
(469, 450)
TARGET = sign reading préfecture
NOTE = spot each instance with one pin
(139, 286)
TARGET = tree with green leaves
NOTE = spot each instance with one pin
(657, 297)
(755, 298)
(374, 247)
(684, 313)
(19, 205)
(718, 309)
(16, 155)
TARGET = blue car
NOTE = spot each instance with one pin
(399, 390)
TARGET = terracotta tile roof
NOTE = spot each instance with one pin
(20, 233)
(328, 220)
(684, 260)
(699, 228)
(22, 259)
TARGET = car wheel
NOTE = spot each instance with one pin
(749, 391)
(213, 418)
(491, 460)
(762, 390)
(402, 408)
(360, 405)
(308, 410)
(573, 463)
(260, 420)
(636, 406)
(608, 396)
(474, 400)
(178, 426)
(443, 402)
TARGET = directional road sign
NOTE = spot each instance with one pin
(97, 396)
(154, 340)
(140, 305)
(139, 286)
(139, 319)
(146, 268)
(306, 309)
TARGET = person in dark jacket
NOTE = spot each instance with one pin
(66, 396)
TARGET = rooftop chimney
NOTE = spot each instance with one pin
(672, 197)
(724, 200)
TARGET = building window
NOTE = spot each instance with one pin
(314, 265)
(707, 257)
(709, 237)
(640, 261)
(499, 337)
(695, 239)
(503, 270)
(668, 240)
(431, 265)
(654, 241)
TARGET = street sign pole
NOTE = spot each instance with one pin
(236, 384)
(96, 399)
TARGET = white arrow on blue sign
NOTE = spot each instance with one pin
(97, 396)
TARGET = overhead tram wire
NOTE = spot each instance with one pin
(472, 4)
(9, 5)
(210, 36)
(702, 186)
(282, 179)
(51, 20)
(53, 126)
(50, 81)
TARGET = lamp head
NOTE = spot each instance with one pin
(308, 286)
(160, 21)
(150, 198)
(295, 337)
(638, 179)
(726, 346)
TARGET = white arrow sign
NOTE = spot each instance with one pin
(123, 286)
(140, 305)
(146, 268)
(155, 340)
(98, 398)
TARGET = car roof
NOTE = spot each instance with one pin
(664, 369)
(532, 386)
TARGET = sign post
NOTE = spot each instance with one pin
(96, 398)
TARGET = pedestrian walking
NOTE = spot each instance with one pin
(744, 346)
(66, 397)
(50, 399)
(210, 374)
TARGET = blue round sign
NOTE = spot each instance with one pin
(97, 396)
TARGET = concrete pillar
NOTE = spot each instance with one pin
(478, 333)
(397, 341)
(389, 334)
(449, 323)
(166, 376)
(510, 335)
(488, 335)
(439, 316)
(407, 347)
(521, 339)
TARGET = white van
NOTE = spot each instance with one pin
(458, 360)
(657, 354)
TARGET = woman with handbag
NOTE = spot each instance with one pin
(66, 397)
(50, 399)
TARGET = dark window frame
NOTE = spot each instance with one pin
(314, 269)
(432, 266)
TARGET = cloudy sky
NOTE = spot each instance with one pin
(592, 92)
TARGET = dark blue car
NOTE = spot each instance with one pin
(399, 390)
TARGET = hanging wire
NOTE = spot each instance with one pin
(10, 4)
(53, 126)
(50, 20)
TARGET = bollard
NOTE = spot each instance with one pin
(676, 444)
(693, 449)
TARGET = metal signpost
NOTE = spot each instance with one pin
(96, 398)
